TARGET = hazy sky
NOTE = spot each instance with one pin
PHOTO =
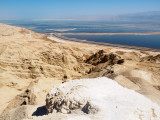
(73, 9)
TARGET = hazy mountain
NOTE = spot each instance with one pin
(152, 16)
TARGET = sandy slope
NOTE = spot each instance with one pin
(31, 62)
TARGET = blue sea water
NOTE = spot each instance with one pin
(150, 41)
(86, 26)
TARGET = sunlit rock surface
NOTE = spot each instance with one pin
(102, 98)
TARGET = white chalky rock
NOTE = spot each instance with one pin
(102, 98)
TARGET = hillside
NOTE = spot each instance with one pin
(31, 64)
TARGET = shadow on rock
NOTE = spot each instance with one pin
(40, 111)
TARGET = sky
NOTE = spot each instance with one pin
(73, 9)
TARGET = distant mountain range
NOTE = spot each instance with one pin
(153, 16)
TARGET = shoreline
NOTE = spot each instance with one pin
(61, 38)
(149, 33)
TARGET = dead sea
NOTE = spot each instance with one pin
(151, 41)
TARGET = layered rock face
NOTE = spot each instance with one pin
(26, 56)
(31, 61)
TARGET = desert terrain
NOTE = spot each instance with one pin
(32, 63)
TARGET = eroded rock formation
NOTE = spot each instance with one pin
(102, 98)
